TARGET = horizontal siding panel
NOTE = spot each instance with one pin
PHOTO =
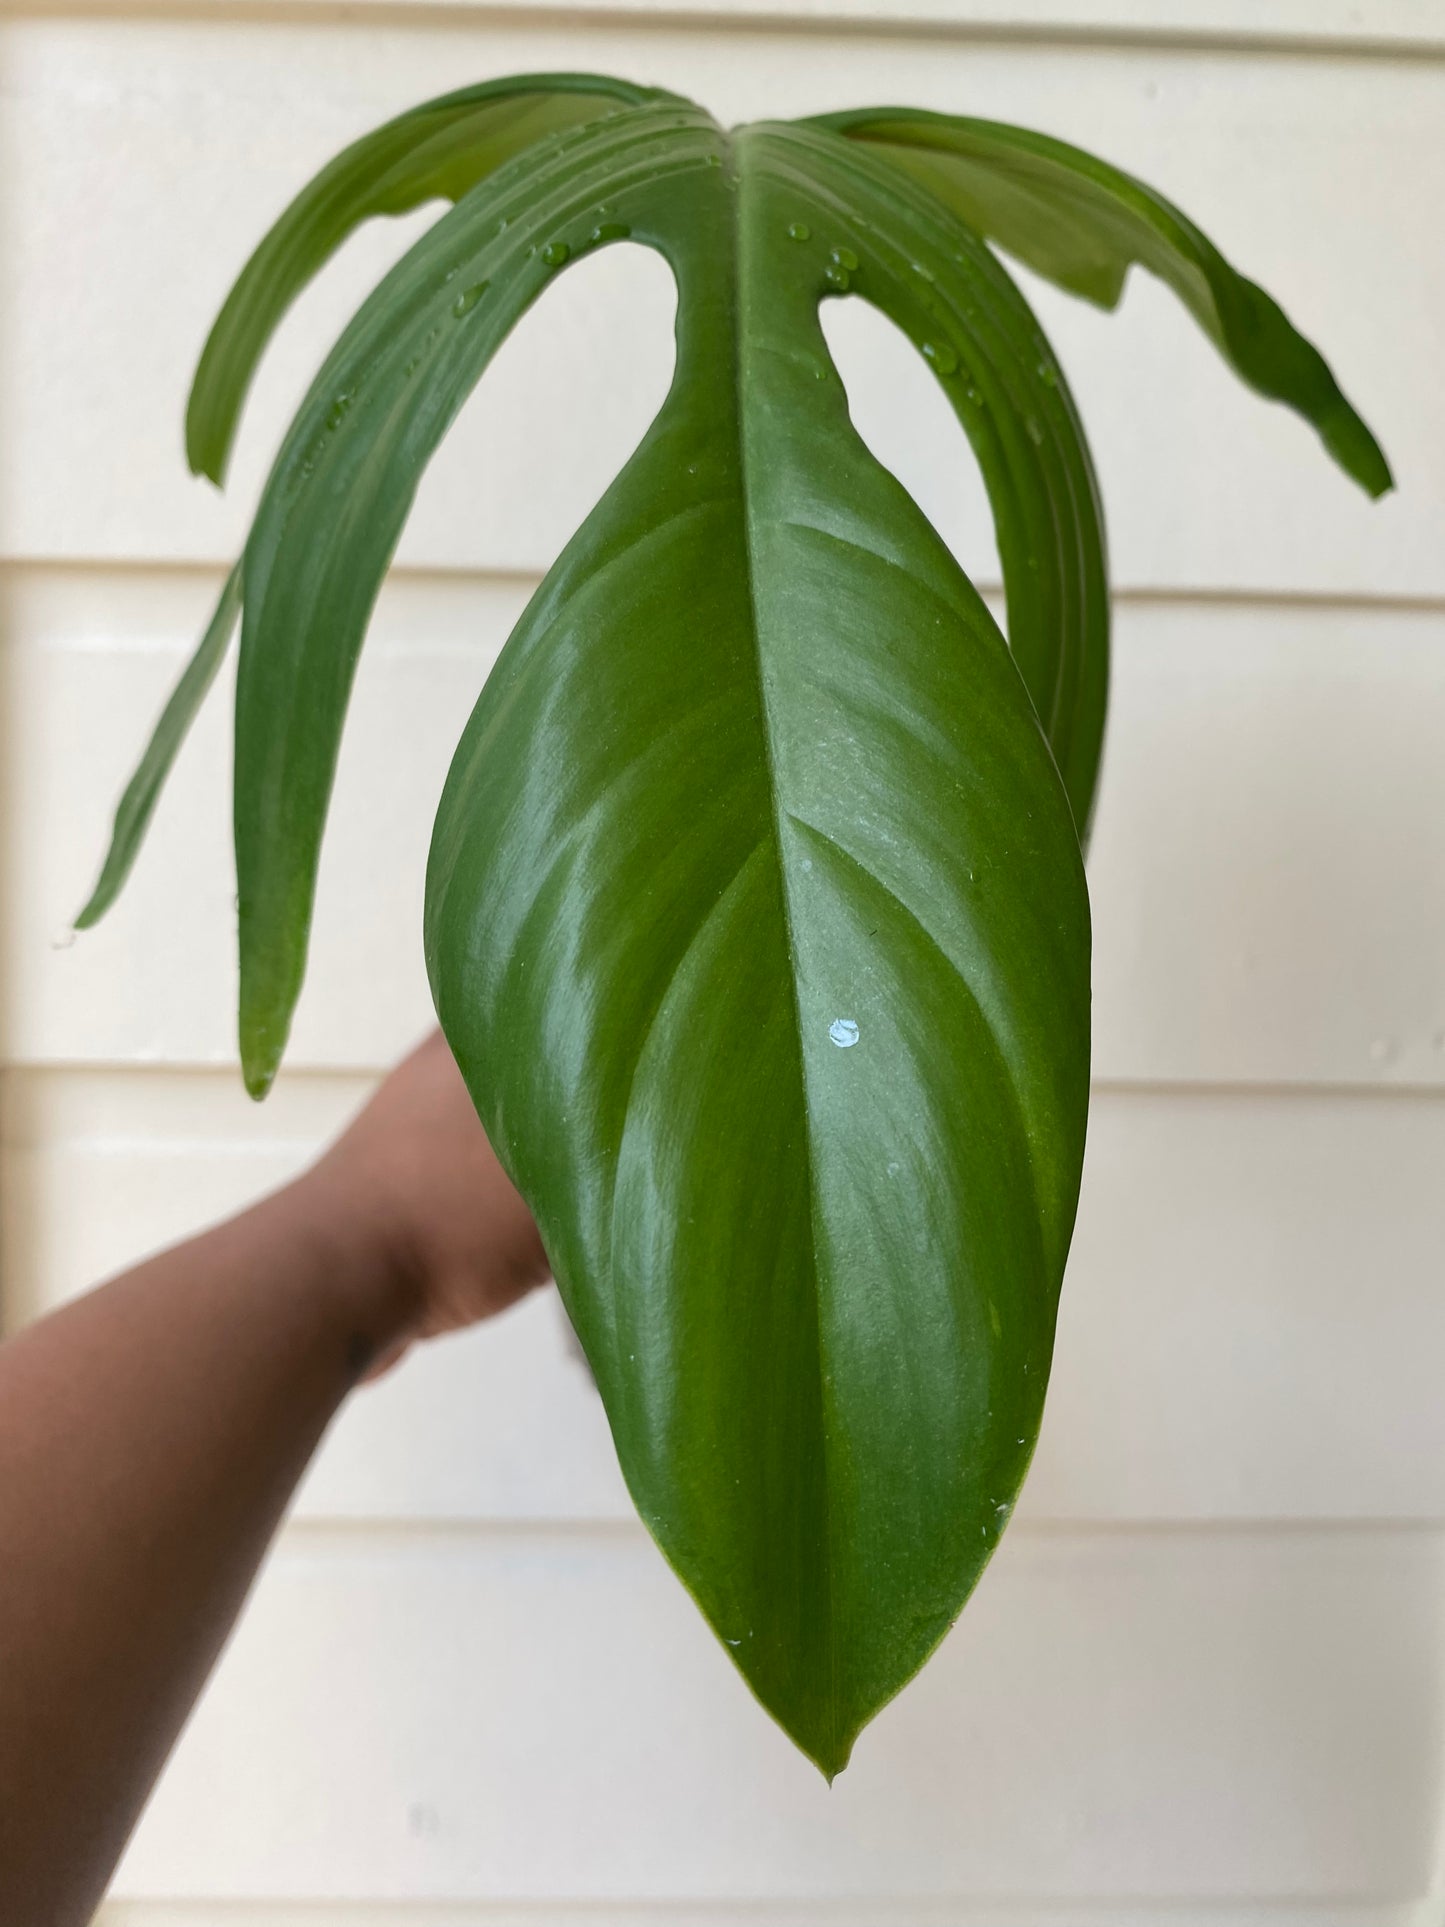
(1267, 872)
(142, 158)
(1251, 1327)
(1404, 25)
(538, 1717)
(900, 1913)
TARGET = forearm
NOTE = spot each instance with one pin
(150, 1436)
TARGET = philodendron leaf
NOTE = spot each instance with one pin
(950, 295)
(1083, 224)
(436, 151)
(137, 805)
(755, 911)
(756, 919)
(342, 486)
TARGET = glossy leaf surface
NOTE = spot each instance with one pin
(755, 911)
(755, 830)
(436, 151)
(1082, 223)
(338, 498)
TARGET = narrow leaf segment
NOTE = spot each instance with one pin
(436, 151)
(136, 807)
(1082, 223)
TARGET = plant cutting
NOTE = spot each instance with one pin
(755, 911)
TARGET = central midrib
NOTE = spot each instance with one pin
(738, 143)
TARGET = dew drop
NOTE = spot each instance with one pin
(925, 273)
(555, 253)
(469, 297)
(972, 394)
(1036, 431)
(846, 258)
(844, 1032)
(941, 355)
(799, 231)
(1048, 374)
(336, 413)
(606, 231)
(835, 276)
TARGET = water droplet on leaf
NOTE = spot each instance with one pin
(844, 1032)
(610, 231)
(1036, 431)
(469, 297)
(799, 231)
(846, 258)
(835, 276)
(941, 355)
(555, 253)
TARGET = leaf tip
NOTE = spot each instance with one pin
(258, 1079)
(261, 1053)
(1349, 440)
(205, 459)
(108, 885)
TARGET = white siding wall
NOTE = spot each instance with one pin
(1205, 1679)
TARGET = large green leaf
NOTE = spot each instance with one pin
(756, 919)
(755, 911)
(1083, 223)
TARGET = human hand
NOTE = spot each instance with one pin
(417, 1195)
